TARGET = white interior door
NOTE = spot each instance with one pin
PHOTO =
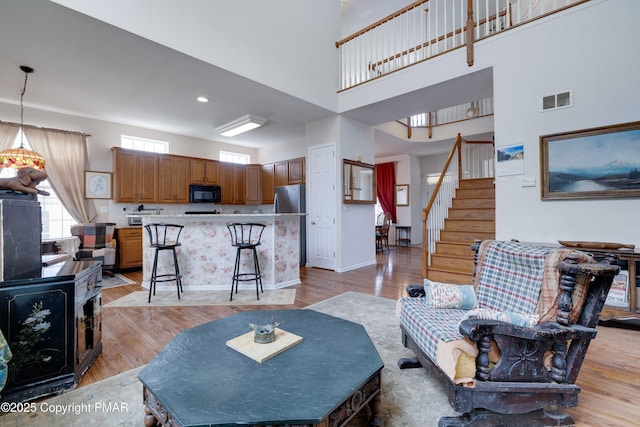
(321, 218)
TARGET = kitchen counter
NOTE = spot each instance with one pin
(215, 215)
(206, 257)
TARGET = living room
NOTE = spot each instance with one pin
(520, 213)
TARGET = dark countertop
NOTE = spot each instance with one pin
(201, 381)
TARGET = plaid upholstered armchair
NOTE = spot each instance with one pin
(96, 244)
(509, 346)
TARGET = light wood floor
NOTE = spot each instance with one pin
(131, 337)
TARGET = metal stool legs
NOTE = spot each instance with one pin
(164, 237)
(242, 277)
(165, 277)
(246, 236)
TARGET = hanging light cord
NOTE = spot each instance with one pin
(27, 71)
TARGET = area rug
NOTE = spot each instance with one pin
(409, 397)
(116, 280)
(191, 298)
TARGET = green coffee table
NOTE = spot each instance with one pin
(196, 380)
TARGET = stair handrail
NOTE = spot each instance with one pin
(426, 242)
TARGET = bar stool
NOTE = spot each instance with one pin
(164, 237)
(246, 236)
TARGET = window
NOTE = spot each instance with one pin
(227, 156)
(56, 220)
(144, 144)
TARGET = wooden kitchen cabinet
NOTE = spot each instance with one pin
(281, 172)
(267, 182)
(232, 183)
(136, 176)
(253, 188)
(128, 247)
(296, 171)
(204, 172)
(286, 172)
(173, 174)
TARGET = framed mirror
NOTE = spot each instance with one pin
(358, 182)
(402, 195)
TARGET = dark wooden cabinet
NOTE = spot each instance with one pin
(53, 323)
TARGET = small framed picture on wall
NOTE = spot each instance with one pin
(402, 195)
(97, 185)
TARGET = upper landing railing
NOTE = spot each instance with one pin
(428, 28)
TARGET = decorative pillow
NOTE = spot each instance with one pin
(446, 295)
(518, 319)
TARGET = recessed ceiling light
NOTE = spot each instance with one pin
(202, 99)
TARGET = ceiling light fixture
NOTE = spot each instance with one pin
(20, 157)
(241, 125)
(202, 99)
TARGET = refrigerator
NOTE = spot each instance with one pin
(292, 199)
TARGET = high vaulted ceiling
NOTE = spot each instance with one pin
(88, 68)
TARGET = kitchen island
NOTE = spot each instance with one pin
(206, 257)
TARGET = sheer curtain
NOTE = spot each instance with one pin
(386, 186)
(66, 158)
(8, 133)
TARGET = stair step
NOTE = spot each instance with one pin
(473, 203)
(452, 263)
(475, 193)
(454, 248)
(487, 213)
(465, 236)
(482, 225)
(477, 183)
(471, 217)
(449, 277)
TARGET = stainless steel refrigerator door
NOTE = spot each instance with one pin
(291, 199)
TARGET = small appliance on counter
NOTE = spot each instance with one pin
(135, 219)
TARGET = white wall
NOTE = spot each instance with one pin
(356, 222)
(593, 53)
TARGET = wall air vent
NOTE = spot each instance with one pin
(557, 101)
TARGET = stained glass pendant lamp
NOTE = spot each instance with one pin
(20, 157)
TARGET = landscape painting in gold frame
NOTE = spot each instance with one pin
(601, 162)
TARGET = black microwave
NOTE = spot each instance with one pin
(205, 193)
